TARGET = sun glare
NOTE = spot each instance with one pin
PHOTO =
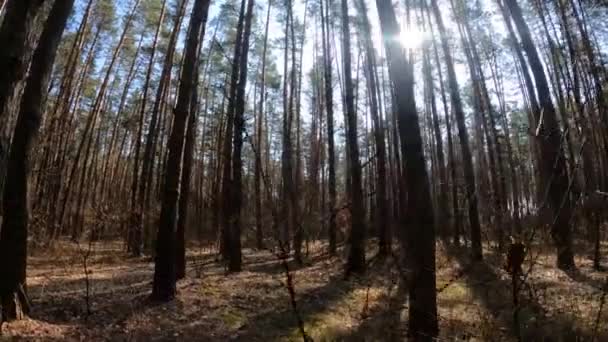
(412, 38)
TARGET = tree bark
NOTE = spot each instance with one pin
(331, 155)
(237, 163)
(417, 221)
(382, 222)
(552, 162)
(163, 288)
(13, 235)
(476, 248)
(227, 208)
(356, 258)
(145, 184)
(136, 242)
(258, 156)
(18, 24)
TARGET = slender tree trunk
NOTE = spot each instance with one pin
(553, 165)
(145, 184)
(163, 287)
(92, 119)
(239, 129)
(331, 156)
(183, 202)
(292, 158)
(356, 258)
(227, 214)
(258, 156)
(530, 93)
(286, 153)
(443, 182)
(137, 206)
(382, 223)
(418, 217)
(463, 136)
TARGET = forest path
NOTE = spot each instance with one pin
(254, 305)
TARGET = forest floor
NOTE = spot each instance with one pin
(474, 300)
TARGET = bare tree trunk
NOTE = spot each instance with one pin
(227, 215)
(145, 184)
(463, 136)
(382, 222)
(163, 288)
(553, 165)
(443, 182)
(286, 214)
(239, 129)
(183, 202)
(331, 156)
(418, 217)
(356, 258)
(456, 223)
(13, 235)
(18, 25)
(96, 108)
(137, 205)
(258, 156)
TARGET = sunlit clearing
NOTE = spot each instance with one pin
(412, 38)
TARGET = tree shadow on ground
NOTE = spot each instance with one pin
(274, 265)
(64, 301)
(274, 323)
(383, 322)
(206, 309)
(284, 322)
(117, 303)
(494, 291)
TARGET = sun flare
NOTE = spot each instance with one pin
(411, 38)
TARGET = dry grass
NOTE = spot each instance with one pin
(474, 304)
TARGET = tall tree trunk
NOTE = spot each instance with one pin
(19, 22)
(96, 108)
(483, 107)
(258, 155)
(293, 161)
(552, 161)
(286, 218)
(136, 242)
(455, 217)
(382, 223)
(163, 287)
(463, 136)
(299, 227)
(145, 184)
(356, 257)
(237, 163)
(183, 202)
(18, 25)
(13, 235)
(331, 155)
(528, 86)
(443, 182)
(418, 217)
(227, 178)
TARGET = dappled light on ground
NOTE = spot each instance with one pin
(474, 301)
